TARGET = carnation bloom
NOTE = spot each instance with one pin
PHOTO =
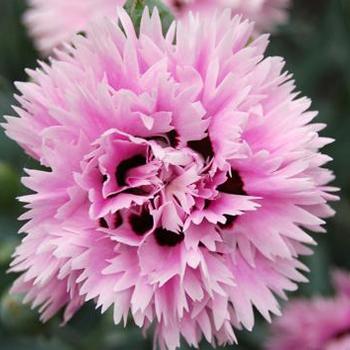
(182, 172)
(341, 281)
(316, 324)
(53, 22)
(267, 14)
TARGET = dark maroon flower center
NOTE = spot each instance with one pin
(136, 191)
(233, 185)
(168, 238)
(103, 222)
(126, 165)
(203, 147)
(118, 220)
(141, 223)
(173, 138)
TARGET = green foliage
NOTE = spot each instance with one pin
(317, 49)
(135, 9)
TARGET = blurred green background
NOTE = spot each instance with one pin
(316, 45)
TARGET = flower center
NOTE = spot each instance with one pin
(173, 138)
(126, 165)
(159, 171)
(203, 147)
(168, 238)
(233, 185)
(103, 223)
(141, 223)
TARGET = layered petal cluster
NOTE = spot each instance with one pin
(316, 324)
(53, 22)
(182, 171)
(267, 14)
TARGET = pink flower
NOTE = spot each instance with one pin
(267, 14)
(341, 281)
(53, 22)
(181, 172)
(316, 324)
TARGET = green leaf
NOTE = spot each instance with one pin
(9, 184)
(16, 316)
(135, 9)
(7, 247)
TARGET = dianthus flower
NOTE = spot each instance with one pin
(316, 324)
(267, 14)
(181, 173)
(53, 22)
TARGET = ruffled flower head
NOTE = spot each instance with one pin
(181, 173)
(315, 324)
(267, 14)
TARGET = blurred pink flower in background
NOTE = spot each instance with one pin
(341, 281)
(181, 172)
(53, 22)
(315, 324)
(267, 14)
